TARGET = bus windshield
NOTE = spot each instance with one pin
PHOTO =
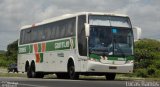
(110, 41)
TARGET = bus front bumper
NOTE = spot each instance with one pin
(109, 68)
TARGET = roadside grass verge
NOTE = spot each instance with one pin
(119, 77)
(12, 75)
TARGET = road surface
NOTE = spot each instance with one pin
(25, 82)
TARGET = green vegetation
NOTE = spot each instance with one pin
(10, 56)
(12, 75)
(147, 58)
(2, 51)
(4, 61)
(12, 50)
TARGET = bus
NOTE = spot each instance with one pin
(85, 43)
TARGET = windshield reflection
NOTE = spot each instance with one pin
(110, 41)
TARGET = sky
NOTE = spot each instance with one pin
(16, 13)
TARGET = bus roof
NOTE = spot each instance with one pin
(70, 16)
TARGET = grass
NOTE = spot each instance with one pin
(4, 73)
(12, 75)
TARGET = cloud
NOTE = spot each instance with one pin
(146, 15)
(16, 13)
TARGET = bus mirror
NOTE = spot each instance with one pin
(137, 33)
(87, 29)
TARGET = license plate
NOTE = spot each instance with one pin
(112, 67)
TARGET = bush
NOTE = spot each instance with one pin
(151, 70)
(157, 74)
(12, 50)
(141, 73)
(147, 58)
(157, 63)
(4, 62)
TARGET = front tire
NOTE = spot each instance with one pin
(110, 76)
(72, 73)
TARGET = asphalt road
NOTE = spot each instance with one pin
(25, 82)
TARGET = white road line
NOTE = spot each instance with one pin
(31, 85)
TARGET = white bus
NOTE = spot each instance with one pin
(86, 43)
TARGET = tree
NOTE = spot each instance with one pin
(12, 50)
(147, 57)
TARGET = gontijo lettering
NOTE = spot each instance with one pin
(63, 44)
(22, 50)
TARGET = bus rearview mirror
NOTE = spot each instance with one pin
(137, 33)
(87, 29)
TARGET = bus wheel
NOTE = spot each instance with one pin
(33, 73)
(110, 76)
(29, 74)
(72, 73)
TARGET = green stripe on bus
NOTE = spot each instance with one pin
(59, 45)
(31, 48)
(94, 56)
(23, 49)
(41, 57)
(39, 47)
(50, 46)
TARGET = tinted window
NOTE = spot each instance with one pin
(82, 42)
(55, 30)
(34, 35)
(47, 32)
(21, 37)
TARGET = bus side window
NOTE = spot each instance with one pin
(25, 36)
(62, 29)
(46, 33)
(43, 37)
(28, 35)
(82, 42)
(70, 31)
(73, 28)
(41, 34)
(22, 37)
(53, 28)
(34, 35)
(57, 32)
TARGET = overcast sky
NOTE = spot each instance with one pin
(16, 13)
